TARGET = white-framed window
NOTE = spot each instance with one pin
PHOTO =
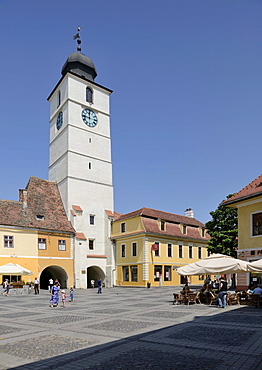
(169, 250)
(180, 250)
(134, 249)
(91, 244)
(123, 250)
(92, 219)
(125, 273)
(89, 95)
(134, 273)
(157, 249)
(190, 251)
(256, 224)
(123, 227)
(41, 243)
(8, 241)
(58, 98)
(61, 245)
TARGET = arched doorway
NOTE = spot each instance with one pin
(54, 272)
(94, 273)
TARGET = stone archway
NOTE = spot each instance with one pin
(94, 273)
(54, 272)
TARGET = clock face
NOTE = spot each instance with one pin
(89, 117)
(59, 121)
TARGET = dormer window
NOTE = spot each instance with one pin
(183, 229)
(89, 95)
(40, 217)
(123, 227)
(162, 225)
(203, 233)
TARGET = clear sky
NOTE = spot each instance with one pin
(186, 108)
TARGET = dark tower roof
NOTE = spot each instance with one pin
(81, 65)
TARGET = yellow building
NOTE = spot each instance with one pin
(151, 244)
(36, 234)
(248, 202)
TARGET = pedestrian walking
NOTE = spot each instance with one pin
(222, 295)
(51, 283)
(92, 283)
(54, 295)
(63, 298)
(99, 284)
(71, 294)
(36, 285)
(6, 288)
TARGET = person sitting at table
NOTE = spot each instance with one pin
(258, 290)
(208, 294)
(185, 289)
(250, 289)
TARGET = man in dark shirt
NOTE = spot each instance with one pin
(222, 295)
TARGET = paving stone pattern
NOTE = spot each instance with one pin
(127, 328)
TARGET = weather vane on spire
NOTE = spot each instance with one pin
(77, 37)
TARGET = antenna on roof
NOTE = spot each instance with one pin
(77, 37)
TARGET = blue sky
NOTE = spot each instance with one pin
(186, 108)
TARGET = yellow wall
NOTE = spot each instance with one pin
(65, 259)
(24, 252)
(132, 225)
(151, 260)
(245, 239)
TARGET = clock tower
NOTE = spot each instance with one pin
(80, 163)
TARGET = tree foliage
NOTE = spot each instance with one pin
(223, 229)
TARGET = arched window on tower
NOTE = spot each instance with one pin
(89, 95)
(59, 98)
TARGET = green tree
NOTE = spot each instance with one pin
(223, 230)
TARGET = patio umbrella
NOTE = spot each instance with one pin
(14, 269)
(255, 266)
(214, 264)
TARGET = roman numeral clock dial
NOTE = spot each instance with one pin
(89, 117)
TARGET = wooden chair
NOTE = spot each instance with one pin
(254, 300)
(233, 298)
(191, 298)
(178, 298)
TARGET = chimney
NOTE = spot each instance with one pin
(23, 197)
(189, 212)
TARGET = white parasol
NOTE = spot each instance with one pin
(255, 266)
(14, 269)
(214, 264)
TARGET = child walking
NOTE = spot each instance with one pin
(71, 297)
(63, 298)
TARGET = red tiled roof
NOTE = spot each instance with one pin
(72, 212)
(39, 198)
(81, 236)
(172, 229)
(114, 215)
(251, 190)
(77, 208)
(165, 216)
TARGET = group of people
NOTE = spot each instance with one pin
(54, 289)
(209, 290)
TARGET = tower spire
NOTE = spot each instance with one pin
(77, 37)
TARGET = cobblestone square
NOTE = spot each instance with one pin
(127, 329)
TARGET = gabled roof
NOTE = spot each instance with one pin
(40, 207)
(252, 190)
(165, 216)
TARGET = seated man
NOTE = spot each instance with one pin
(258, 290)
